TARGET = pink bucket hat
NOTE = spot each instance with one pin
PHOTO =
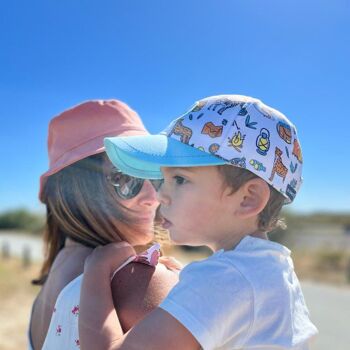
(78, 132)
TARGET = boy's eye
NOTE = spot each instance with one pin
(179, 180)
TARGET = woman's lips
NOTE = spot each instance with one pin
(146, 218)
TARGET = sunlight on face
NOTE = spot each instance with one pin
(142, 210)
(195, 211)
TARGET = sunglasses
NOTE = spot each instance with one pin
(127, 187)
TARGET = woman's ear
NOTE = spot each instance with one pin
(255, 194)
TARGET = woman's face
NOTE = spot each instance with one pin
(142, 208)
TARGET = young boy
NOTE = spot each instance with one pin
(229, 165)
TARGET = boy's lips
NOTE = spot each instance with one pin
(166, 223)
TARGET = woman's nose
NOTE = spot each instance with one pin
(148, 195)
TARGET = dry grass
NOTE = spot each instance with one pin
(17, 295)
(327, 266)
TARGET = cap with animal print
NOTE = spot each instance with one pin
(227, 129)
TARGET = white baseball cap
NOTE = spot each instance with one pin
(226, 129)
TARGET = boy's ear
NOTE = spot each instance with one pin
(255, 194)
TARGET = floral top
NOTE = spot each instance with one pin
(63, 330)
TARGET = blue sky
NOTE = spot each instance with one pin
(160, 56)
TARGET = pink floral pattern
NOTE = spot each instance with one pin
(75, 310)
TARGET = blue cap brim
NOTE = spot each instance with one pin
(143, 156)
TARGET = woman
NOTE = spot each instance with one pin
(89, 203)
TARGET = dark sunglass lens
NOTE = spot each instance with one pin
(116, 178)
(125, 186)
(131, 188)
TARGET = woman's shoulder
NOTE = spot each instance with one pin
(138, 289)
(143, 279)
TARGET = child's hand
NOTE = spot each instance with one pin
(170, 263)
(106, 259)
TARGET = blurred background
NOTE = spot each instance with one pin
(160, 57)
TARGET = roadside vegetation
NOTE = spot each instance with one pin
(22, 220)
(25, 220)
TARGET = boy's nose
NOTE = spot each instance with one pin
(148, 195)
(162, 197)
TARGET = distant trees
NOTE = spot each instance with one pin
(22, 219)
(25, 220)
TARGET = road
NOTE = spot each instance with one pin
(329, 305)
(330, 311)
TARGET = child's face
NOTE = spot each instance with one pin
(196, 206)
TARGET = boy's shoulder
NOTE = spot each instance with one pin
(251, 289)
(250, 254)
(252, 267)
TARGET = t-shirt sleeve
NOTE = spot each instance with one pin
(214, 302)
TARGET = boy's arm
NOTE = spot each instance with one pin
(157, 331)
(99, 327)
(98, 320)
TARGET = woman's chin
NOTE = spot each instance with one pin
(144, 238)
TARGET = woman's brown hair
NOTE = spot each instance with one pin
(81, 205)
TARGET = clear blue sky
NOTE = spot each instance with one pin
(160, 56)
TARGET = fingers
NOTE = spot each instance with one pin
(123, 248)
(109, 257)
(170, 262)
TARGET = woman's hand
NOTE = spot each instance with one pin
(106, 259)
(171, 263)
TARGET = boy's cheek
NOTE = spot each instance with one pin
(177, 235)
(174, 238)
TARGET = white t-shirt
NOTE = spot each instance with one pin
(246, 298)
